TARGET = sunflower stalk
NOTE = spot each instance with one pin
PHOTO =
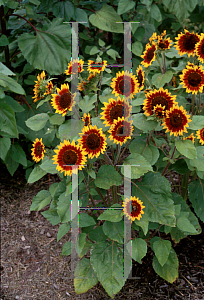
(108, 160)
(200, 107)
(184, 185)
(102, 198)
(87, 188)
(168, 164)
(98, 94)
(121, 154)
(118, 154)
(112, 151)
(193, 103)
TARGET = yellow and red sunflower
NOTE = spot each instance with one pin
(49, 88)
(140, 78)
(93, 141)
(199, 48)
(190, 137)
(159, 111)
(69, 158)
(200, 135)
(125, 83)
(155, 97)
(192, 78)
(133, 208)
(96, 67)
(121, 130)
(38, 150)
(186, 43)
(37, 87)
(164, 43)
(63, 100)
(149, 54)
(114, 109)
(153, 37)
(86, 119)
(74, 66)
(176, 120)
(82, 85)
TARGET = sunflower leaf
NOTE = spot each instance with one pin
(107, 176)
(5, 144)
(139, 249)
(198, 162)
(114, 230)
(39, 201)
(7, 120)
(36, 174)
(196, 196)
(112, 215)
(181, 9)
(186, 147)
(161, 249)
(37, 122)
(197, 123)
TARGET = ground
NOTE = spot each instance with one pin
(32, 266)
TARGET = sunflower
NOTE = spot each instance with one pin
(133, 208)
(37, 86)
(93, 141)
(114, 109)
(153, 37)
(96, 67)
(84, 83)
(192, 78)
(164, 43)
(86, 119)
(121, 130)
(186, 43)
(199, 48)
(159, 111)
(200, 135)
(155, 97)
(190, 137)
(140, 78)
(72, 66)
(176, 120)
(69, 158)
(124, 84)
(149, 54)
(49, 88)
(63, 100)
(38, 150)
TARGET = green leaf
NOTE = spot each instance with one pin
(196, 196)
(141, 122)
(101, 43)
(48, 166)
(81, 16)
(64, 10)
(139, 249)
(85, 278)
(124, 6)
(155, 13)
(36, 174)
(160, 79)
(11, 84)
(11, 164)
(169, 271)
(143, 223)
(36, 2)
(7, 120)
(113, 53)
(112, 215)
(150, 152)
(187, 148)
(155, 192)
(106, 19)
(196, 123)
(37, 122)
(5, 144)
(107, 176)
(29, 9)
(70, 127)
(51, 216)
(85, 220)
(67, 248)
(161, 249)
(80, 243)
(63, 229)
(57, 119)
(42, 199)
(87, 104)
(114, 230)
(137, 48)
(4, 42)
(181, 9)
(185, 225)
(49, 49)
(92, 173)
(107, 262)
(64, 208)
(97, 234)
(199, 161)
(94, 50)
(12, 4)
(14, 104)
(143, 166)
(18, 154)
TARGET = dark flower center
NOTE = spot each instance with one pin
(125, 86)
(86, 122)
(159, 100)
(194, 79)
(140, 79)
(69, 157)
(39, 149)
(190, 41)
(150, 54)
(136, 208)
(65, 100)
(176, 120)
(93, 141)
(120, 130)
(116, 111)
(162, 45)
(97, 67)
(202, 48)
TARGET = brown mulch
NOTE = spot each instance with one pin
(32, 266)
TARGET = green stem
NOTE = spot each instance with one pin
(25, 20)
(102, 198)
(112, 151)
(108, 160)
(113, 194)
(118, 154)
(184, 185)
(87, 188)
(125, 149)
(98, 94)
(168, 164)
(160, 65)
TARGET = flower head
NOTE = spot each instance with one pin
(96, 67)
(69, 158)
(37, 87)
(63, 100)
(49, 88)
(74, 66)
(149, 54)
(192, 78)
(186, 43)
(140, 78)
(133, 208)
(176, 120)
(93, 141)
(38, 150)
(159, 111)
(200, 135)
(190, 137)
(199, 48)
(121, 130)
(86, 119)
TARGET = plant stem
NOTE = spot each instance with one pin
(25, 20)
(125, 149)
(200, 108)
(184, 185)
(160, 65)
(102, 198)
(3, 28)
(193, 103)
(87, 188)
(98, 94)
(108, 160)
(168, 164)
(113, 194)
(118, 153)
(76, 112)
(112, 151)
